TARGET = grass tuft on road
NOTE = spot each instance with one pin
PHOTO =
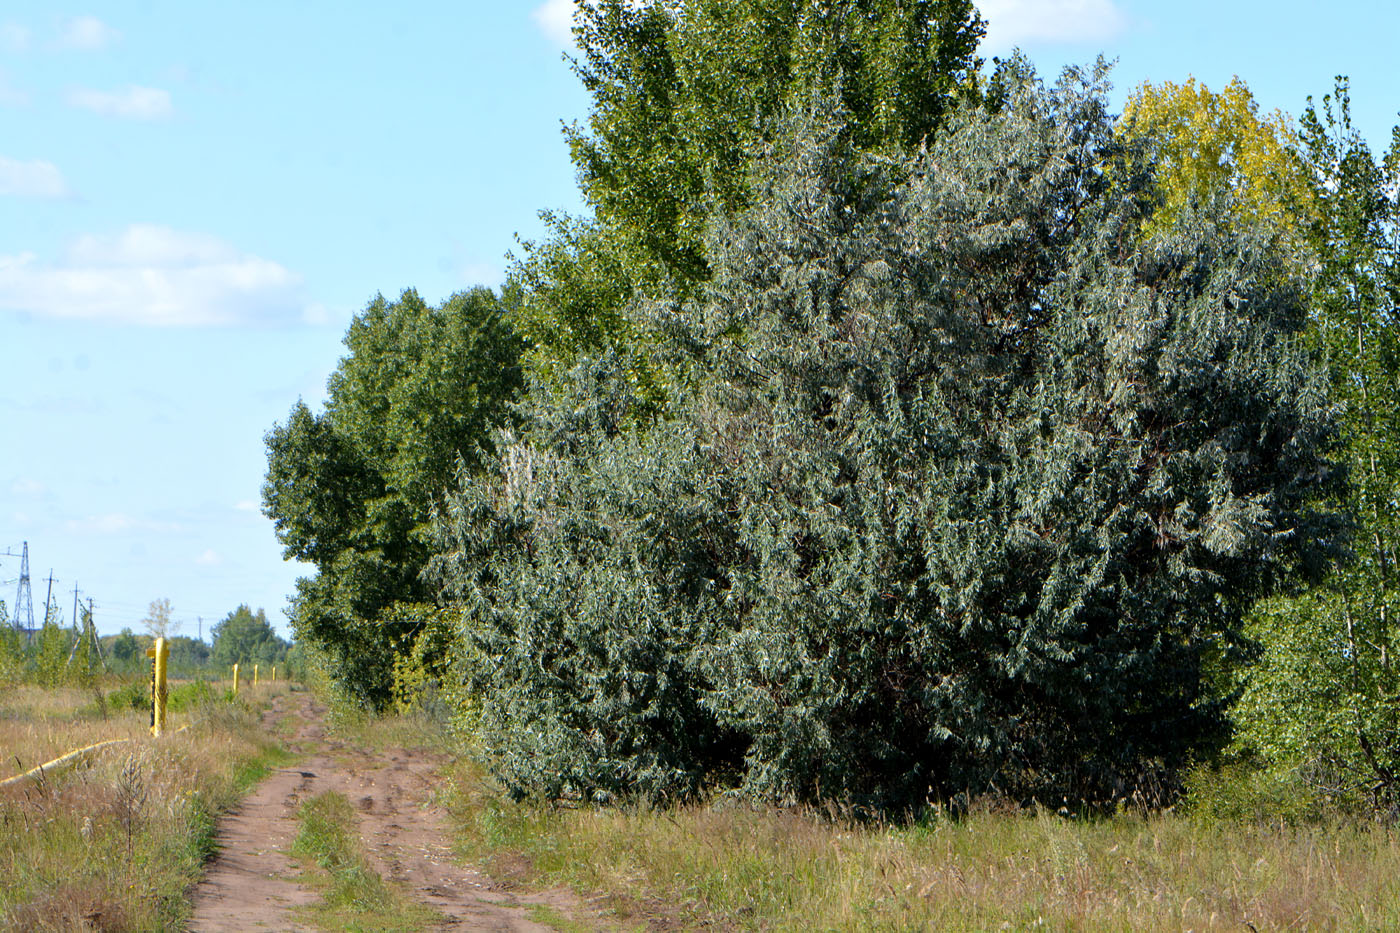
(354, 896)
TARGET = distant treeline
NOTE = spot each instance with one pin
(59, 654)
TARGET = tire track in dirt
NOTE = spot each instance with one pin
(251, 884)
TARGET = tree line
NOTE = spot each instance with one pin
(60, 655)
(894, 426)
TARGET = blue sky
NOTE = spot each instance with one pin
(195, 198)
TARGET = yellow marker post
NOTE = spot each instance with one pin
(255, 675)
(235, 680)
(274, 673)
(160, 655)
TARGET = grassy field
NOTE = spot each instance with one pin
(731, 866)
(115, 846)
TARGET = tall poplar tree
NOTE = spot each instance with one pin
(351, 489)
(1324, 703)
(1209, 142)
(683, 94)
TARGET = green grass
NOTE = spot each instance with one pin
(354, 896)
(730, 865)
(555, 919)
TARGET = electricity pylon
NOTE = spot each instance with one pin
(24, 597)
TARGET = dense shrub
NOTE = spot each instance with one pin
(969, 488)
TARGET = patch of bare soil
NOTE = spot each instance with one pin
(252, 883)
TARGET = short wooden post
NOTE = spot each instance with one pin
(235, 680)
(160, 659)
(255, 675)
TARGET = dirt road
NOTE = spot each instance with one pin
(252, 883)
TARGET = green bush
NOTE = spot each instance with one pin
(968, 488)
(188, 696)
(133, 695)
(1246, 791)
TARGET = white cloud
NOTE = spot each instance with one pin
(11, 96)
(87, 33)
(116, 523)
(556, 19)
(28, 488)
(133, 103)
(156, 276)
(14, 37)
(209, 558)
(316, 314)
(247, 505)
(33, 179)
(1011, 23)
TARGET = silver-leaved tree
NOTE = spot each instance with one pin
(973, 476)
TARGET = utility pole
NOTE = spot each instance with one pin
(92, 632)
(48, 598)
(87, 639)
(75, 608)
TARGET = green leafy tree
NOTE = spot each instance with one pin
(971, 483)
(351, 490)
(11, 647)
(684, 92)
(1325, 701)
(188, 655)
(125, 648)
(246, 637)
(51, 652)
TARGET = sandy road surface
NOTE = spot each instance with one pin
(251, 885)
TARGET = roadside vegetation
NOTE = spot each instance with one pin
(62, 655)
(894, 426)
(115, 844)
(728, 864)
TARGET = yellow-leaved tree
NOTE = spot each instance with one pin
(1208, 142)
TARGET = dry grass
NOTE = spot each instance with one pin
(116, 845)
(735, 867)
(38, 725)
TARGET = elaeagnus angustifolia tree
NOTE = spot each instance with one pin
(968, 487)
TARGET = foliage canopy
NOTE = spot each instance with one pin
(1208, 142)
(246, 637)
(685, 93)
(973, 475)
